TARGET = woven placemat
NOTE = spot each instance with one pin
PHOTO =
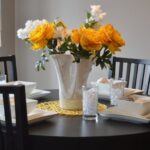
(54, 106)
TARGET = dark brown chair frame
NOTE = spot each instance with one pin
(12, 59)
(8, 130)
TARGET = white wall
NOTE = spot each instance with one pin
(130, 17)
(8, 27)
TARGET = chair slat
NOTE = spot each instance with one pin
(141, 78)
(113, 69)
(110, 71)
(6, 102)
(19, 130)
(147, 81)
(5, 69)
(128, 73)
(21, 118)
(147, 87)
(4, 60)
(120, 69)
(1, 138)
(135, 76)
(14, 67)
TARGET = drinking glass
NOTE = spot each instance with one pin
(90, 101)
(116, 90)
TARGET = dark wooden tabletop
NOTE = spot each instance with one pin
(62, 129)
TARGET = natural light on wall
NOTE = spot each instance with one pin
(0, 24)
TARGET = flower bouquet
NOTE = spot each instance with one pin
(73, 51)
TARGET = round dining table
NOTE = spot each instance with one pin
(73, 132)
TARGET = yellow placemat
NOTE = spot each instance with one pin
(54, 106)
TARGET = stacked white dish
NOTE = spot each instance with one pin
(34, 115)
(137, 111)
(37, 115)
(30, 88)
(104, 89)
(36, 93)
(31, 105)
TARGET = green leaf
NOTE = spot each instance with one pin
(49, 44)
(37, 67)
(52, 44)
(98, 60)
(43, 67)
(88, 15)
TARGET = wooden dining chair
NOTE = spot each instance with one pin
(8, 67)
(135, 71)
(1, 139)
(13, 136)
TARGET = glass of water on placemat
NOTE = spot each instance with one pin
(90, 101)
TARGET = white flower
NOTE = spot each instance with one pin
(59, 32)
(22, 34)
(36, 23)
(97, 13)
(28, 23)
(29, 26)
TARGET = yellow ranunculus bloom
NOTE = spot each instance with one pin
(88, 38)
(40, 45)
(75, 36)
(40, 35)
(111, 38)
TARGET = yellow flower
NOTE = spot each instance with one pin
(111, 38)
(40, 35)
(75, 36)
(88, 38)
(40, 45)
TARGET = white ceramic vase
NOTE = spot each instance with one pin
(71, 76)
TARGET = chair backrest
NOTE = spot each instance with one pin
(135, 71)
(9, 129)
(8, 67)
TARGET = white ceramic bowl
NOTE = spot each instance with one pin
(29, 86)
(104, 89)
(31, 105)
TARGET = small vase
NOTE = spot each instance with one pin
(71, 76)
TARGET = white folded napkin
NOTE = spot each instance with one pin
(131, 91)
(135, 97)
(103, 87)
(118, 114)
(139, 107)
(37, 115)
(31, 105)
